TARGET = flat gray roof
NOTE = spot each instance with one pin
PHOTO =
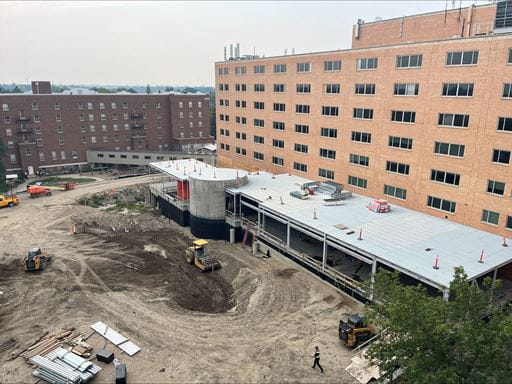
(398, 238)
(182, 169)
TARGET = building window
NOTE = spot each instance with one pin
(444, 177)
(331, 133)
(495, 187)
(190, 105)
(302, 108)
(103, 116)
(240, 120)
(490, 217)
(259, 156)
(500, 156)
(240, 71)
(41, 156)
(441, 204)
(91, 117)
(279, 125)
(59, 129)
(302, 148)
(358, 182)
(365, 89)
(241, 135)
(405, 89)
(458, 89)
(104, 127)
(89, 105)
(36, 119)
(10, 144)
(507, 91)
(509, 56)
(394, 167)
(7, 119)
(362, 137)
(279, 161)
(300, 167)
(54, 155)
(126, 127)
(332, 65)
(303, 88)
(259, 87)
(82, 128)
(508, 225)
(453, 120)
(63, 155)
(359, 160)
(303, 67)
(92, 128)
(400, 142)
(115, 127)
(462, 58)
(279, 68)
(505, 124)
(105, 139)
(363, 113)
(279, 88)
(56, 106)
(331, 88)
(279, 107)
(114, 116)
(259, 123)
(277, 143)
(327, 153)
(61, 141)
(369, 63)
(93, 139)
(113, 105)
(259, 69)
(39, 142)
(223, 71)
(398, 193)
(102, 105)
(328, 174)
(259, 139)
(5, 107)
(8, 131)
(181, 116)
(409, 61)
(403, 116)
(238, 104)
(259, 105)
(330, 111)
(12, 157)
(302, 129)
(80, 105)
(38, 130)
(35, 107)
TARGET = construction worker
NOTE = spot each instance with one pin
(317, 359)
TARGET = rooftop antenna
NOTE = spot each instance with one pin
(230, 51)
(225, 53)
(237, 50)
(286, 51)
(293, 51)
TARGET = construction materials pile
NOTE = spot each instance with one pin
(64, 367)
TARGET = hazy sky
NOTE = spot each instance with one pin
(170, 42)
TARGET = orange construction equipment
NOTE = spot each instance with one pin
(46, 190)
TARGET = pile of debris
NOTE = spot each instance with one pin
(64, 367)
(112, 197)
(55, 340)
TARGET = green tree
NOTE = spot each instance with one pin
(467, 339)
(3, 153)
(148, 89)
(169, 89)
(16, 89)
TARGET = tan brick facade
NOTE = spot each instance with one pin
(480, 138)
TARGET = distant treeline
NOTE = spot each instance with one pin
(56, 88)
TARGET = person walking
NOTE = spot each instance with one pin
(317, 360)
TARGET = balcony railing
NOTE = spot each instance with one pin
(23, 118)
(137, 126)
(136, 115)
(24, 131)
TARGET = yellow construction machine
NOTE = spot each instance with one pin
(36, 260)
(353, 330)
(199, 256)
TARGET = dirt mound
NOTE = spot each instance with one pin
(116, 197)
(143, 252)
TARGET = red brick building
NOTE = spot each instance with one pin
(419, 112)
(44, 131)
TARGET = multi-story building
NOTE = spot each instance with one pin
(419, 112)
(44, 130)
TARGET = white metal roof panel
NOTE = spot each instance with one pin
(398, 238)
(115, 338)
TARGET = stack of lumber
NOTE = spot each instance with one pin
(48, 343)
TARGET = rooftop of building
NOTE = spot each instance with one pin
(182, 169)
(89, 92)
(404, 239)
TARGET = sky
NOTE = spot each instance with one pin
(173, 42)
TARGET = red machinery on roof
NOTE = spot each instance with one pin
(379, 206)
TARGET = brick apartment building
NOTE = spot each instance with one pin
(419, 111)
(48, 131)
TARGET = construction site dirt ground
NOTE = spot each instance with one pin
(255, 320)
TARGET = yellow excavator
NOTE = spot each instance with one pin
(198, 255)
(353, 330)
(36, 260)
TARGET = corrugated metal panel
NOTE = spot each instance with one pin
(117, 339)
(59, 373)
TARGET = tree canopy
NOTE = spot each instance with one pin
(467, 339)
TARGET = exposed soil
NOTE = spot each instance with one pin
(254, 320)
